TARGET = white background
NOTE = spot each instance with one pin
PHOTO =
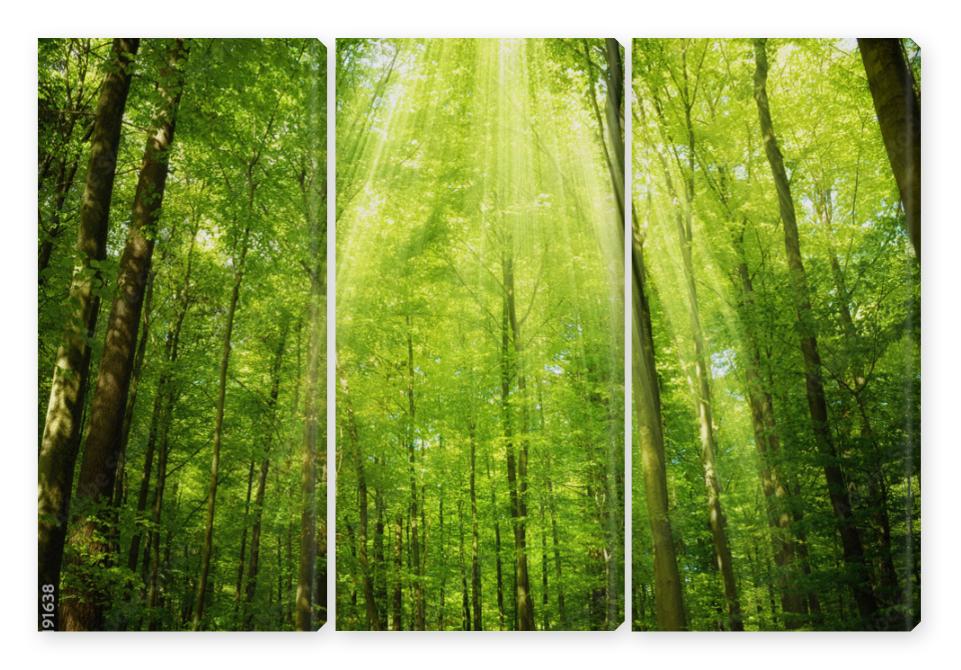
(935, 29)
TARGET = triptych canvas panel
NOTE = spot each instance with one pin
(552, 258)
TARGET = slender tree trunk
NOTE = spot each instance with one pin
(163, 411)
(312, 186)
(442, 605)
(877, 490)
(555, 534)
(397, 597)
(253, 566)
(898, 107)
(86, 609)
(516, 472)
(807, 331)
(60, 441)
(767, 443)
(415, 540)
(705, 414)
(242, 558)
(545, 566)
(119, 492)
(66, 174)
(476, 590)
(144, 490)
(684, 228)
(208, 545)
(370, 602)
(380, 559)
(497, 546)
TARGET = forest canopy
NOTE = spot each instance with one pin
(777, 480)
(182, 189)
(479, 319)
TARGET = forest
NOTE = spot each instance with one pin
(181, 334)
(480, 414)
(776, 277)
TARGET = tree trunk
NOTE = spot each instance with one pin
(208, 546)
(807, 331)
(61, 433)
(899, 115)
(119, 492)
(856, 369)
(555, 534)
(397, 598)
(307, 579)
(497, 546)
(85, 610)
(768, 445)
(476, 590)
(545, 566)
(442, 604)
(242, 558)
(516, 457)
(370, 602)
(465, 593)
(415, 541)
(380, 558)
(668, 598)
(253, 566)
(163, 410)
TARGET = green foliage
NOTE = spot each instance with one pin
(250, 131)
(461, 162)
(858, 259)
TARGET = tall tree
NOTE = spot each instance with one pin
(898, 107)
(60, 442)
(313, 195)
(85, 610)
(806, 329)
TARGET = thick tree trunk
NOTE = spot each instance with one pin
(668, 598)
(807, 331)
(85, 610)
(61, 432)
(898, 108)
